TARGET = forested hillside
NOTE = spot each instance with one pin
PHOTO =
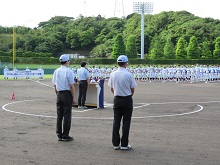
(168, 35)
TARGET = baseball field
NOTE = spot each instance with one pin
(172, 124)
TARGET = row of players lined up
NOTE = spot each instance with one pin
(15, 73)
(178, 73)
(15, 70)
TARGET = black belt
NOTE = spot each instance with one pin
(64, 91)
(124, 96)
(82, 80)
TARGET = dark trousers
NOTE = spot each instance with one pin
(64, 113)
(82, 92)
(123, 107)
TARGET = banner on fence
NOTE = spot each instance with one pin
(15, 74)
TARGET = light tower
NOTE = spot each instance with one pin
(14, 46)
(119, 8)
(142, 7)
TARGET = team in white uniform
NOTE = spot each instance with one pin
(178, 74)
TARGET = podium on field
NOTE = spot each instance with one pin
(94, 96)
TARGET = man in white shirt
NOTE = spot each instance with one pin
(63, 80)
(5, 73)
(27, 73)
(83, 79)
(15, 73)
(41, 73)
(122, 84)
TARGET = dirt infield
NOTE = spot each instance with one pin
(172, 124)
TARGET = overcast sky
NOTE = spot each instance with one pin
(29, 13)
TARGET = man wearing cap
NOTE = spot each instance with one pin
(83, 79)
(15, 73)
(5, 73)
(63, 80)
(122, 84)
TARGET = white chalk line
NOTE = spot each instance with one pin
(22, 113)
(186, 102)
(85, 110)
(110, 118)
(42, 83)
(144, 105)
(29, 114)
(144, 117)
(172, 115)
(72, 110)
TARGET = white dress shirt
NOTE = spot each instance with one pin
(82, 74)
(122, 81)
(63, 77)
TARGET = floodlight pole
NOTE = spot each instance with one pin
(142, 31)
(14, 47)
(142, 7)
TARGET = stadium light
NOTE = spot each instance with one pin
(142, 8)
(14, 46)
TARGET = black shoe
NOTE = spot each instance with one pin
(67, 138)
(60, 138)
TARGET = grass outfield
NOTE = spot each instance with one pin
(49, 66)
(46, 76)
(35, 66)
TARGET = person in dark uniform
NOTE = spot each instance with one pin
(83, 79)
(63, 80)
(122, 84)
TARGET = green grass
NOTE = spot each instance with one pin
(48, 76)
(35, 66)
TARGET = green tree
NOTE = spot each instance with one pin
(206, 52)
(72, 39)
(5, 40)
(86, 38)
(48, 45)
(98, 51)
(147, 43)
(119, 47)
(60, 33)
(216, 53)
(131, 50)
(57, 20)
(169, 50)
(193, 49)
(102, 36)
(70, 34)
(153, 54)
(156, 48)
(180, 49)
